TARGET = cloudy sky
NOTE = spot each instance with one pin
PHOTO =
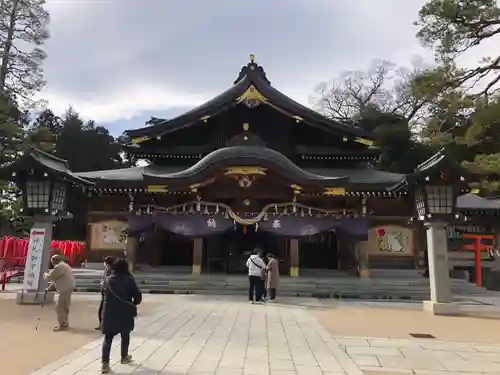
(120, 62)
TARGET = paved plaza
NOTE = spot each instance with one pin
(226, 335)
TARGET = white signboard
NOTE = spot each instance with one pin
(34, 259)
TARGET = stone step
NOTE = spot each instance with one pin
(285, 293)
(400, 287)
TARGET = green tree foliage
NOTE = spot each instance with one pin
(23, 30)
(483, 143)
(401, 152)
(15, 138)
(76, 137)
(454, 27)
(86, 147)
(463, 116)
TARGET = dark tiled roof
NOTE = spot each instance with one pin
(362, 176)
(246, 155)
(39, 158)
(475, 202)
(252, 74)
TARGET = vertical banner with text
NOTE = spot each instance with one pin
(34, 259)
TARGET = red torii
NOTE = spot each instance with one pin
(477, 246)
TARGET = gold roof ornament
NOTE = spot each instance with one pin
(140, 140)
(252, 97)
(297, 189)
(245, 171)
(252, 58)
(363, 141)
(157, 188)
(194, 187)
(334, 191)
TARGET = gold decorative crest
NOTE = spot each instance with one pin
(333, 191)
(252, 97)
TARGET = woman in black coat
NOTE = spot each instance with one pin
(121, 297)
(108, 267)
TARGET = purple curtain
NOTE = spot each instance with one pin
(354, 227)
(137, 225)
(295, 226)
(194, 225)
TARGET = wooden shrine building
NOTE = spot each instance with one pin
(253, 168)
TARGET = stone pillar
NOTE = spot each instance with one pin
(439, 273)
(130, 251)
(197, 255)
(416, 246)
(294, 257)
(36, 295)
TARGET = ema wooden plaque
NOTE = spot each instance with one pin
(108, 235)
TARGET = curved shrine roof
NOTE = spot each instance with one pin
(252, 76)
(35, 158)
(246, 156)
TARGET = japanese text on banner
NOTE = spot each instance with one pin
(34, 259)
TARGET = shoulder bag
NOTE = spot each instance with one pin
(134, 311)
(262, 270)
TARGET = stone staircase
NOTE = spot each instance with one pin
(404, 285)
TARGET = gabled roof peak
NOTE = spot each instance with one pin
(252, 69)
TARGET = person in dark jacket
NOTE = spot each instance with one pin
(108, 265)
(121, 297)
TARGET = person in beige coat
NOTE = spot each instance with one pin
(273, 276)
(61, 279)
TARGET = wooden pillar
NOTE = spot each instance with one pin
(363, 260)
(294, 257)
(131, 251)
(197, 255)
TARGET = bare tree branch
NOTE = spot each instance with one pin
(383, 87)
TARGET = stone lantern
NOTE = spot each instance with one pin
(435, 186)
(44, 181)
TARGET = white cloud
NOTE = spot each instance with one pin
(115, 59)
(122, 105)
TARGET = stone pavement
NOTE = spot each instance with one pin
(226, 335)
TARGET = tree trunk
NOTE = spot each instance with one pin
(4, 68)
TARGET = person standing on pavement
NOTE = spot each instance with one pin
(256, 271)
(264, 281)
(121, 297)
(273, 276)
(108, 265)
(61, 279)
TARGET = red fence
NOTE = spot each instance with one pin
(13, 251)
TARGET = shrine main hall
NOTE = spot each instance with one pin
(254, 168)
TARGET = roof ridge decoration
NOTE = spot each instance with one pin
(252, 69)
